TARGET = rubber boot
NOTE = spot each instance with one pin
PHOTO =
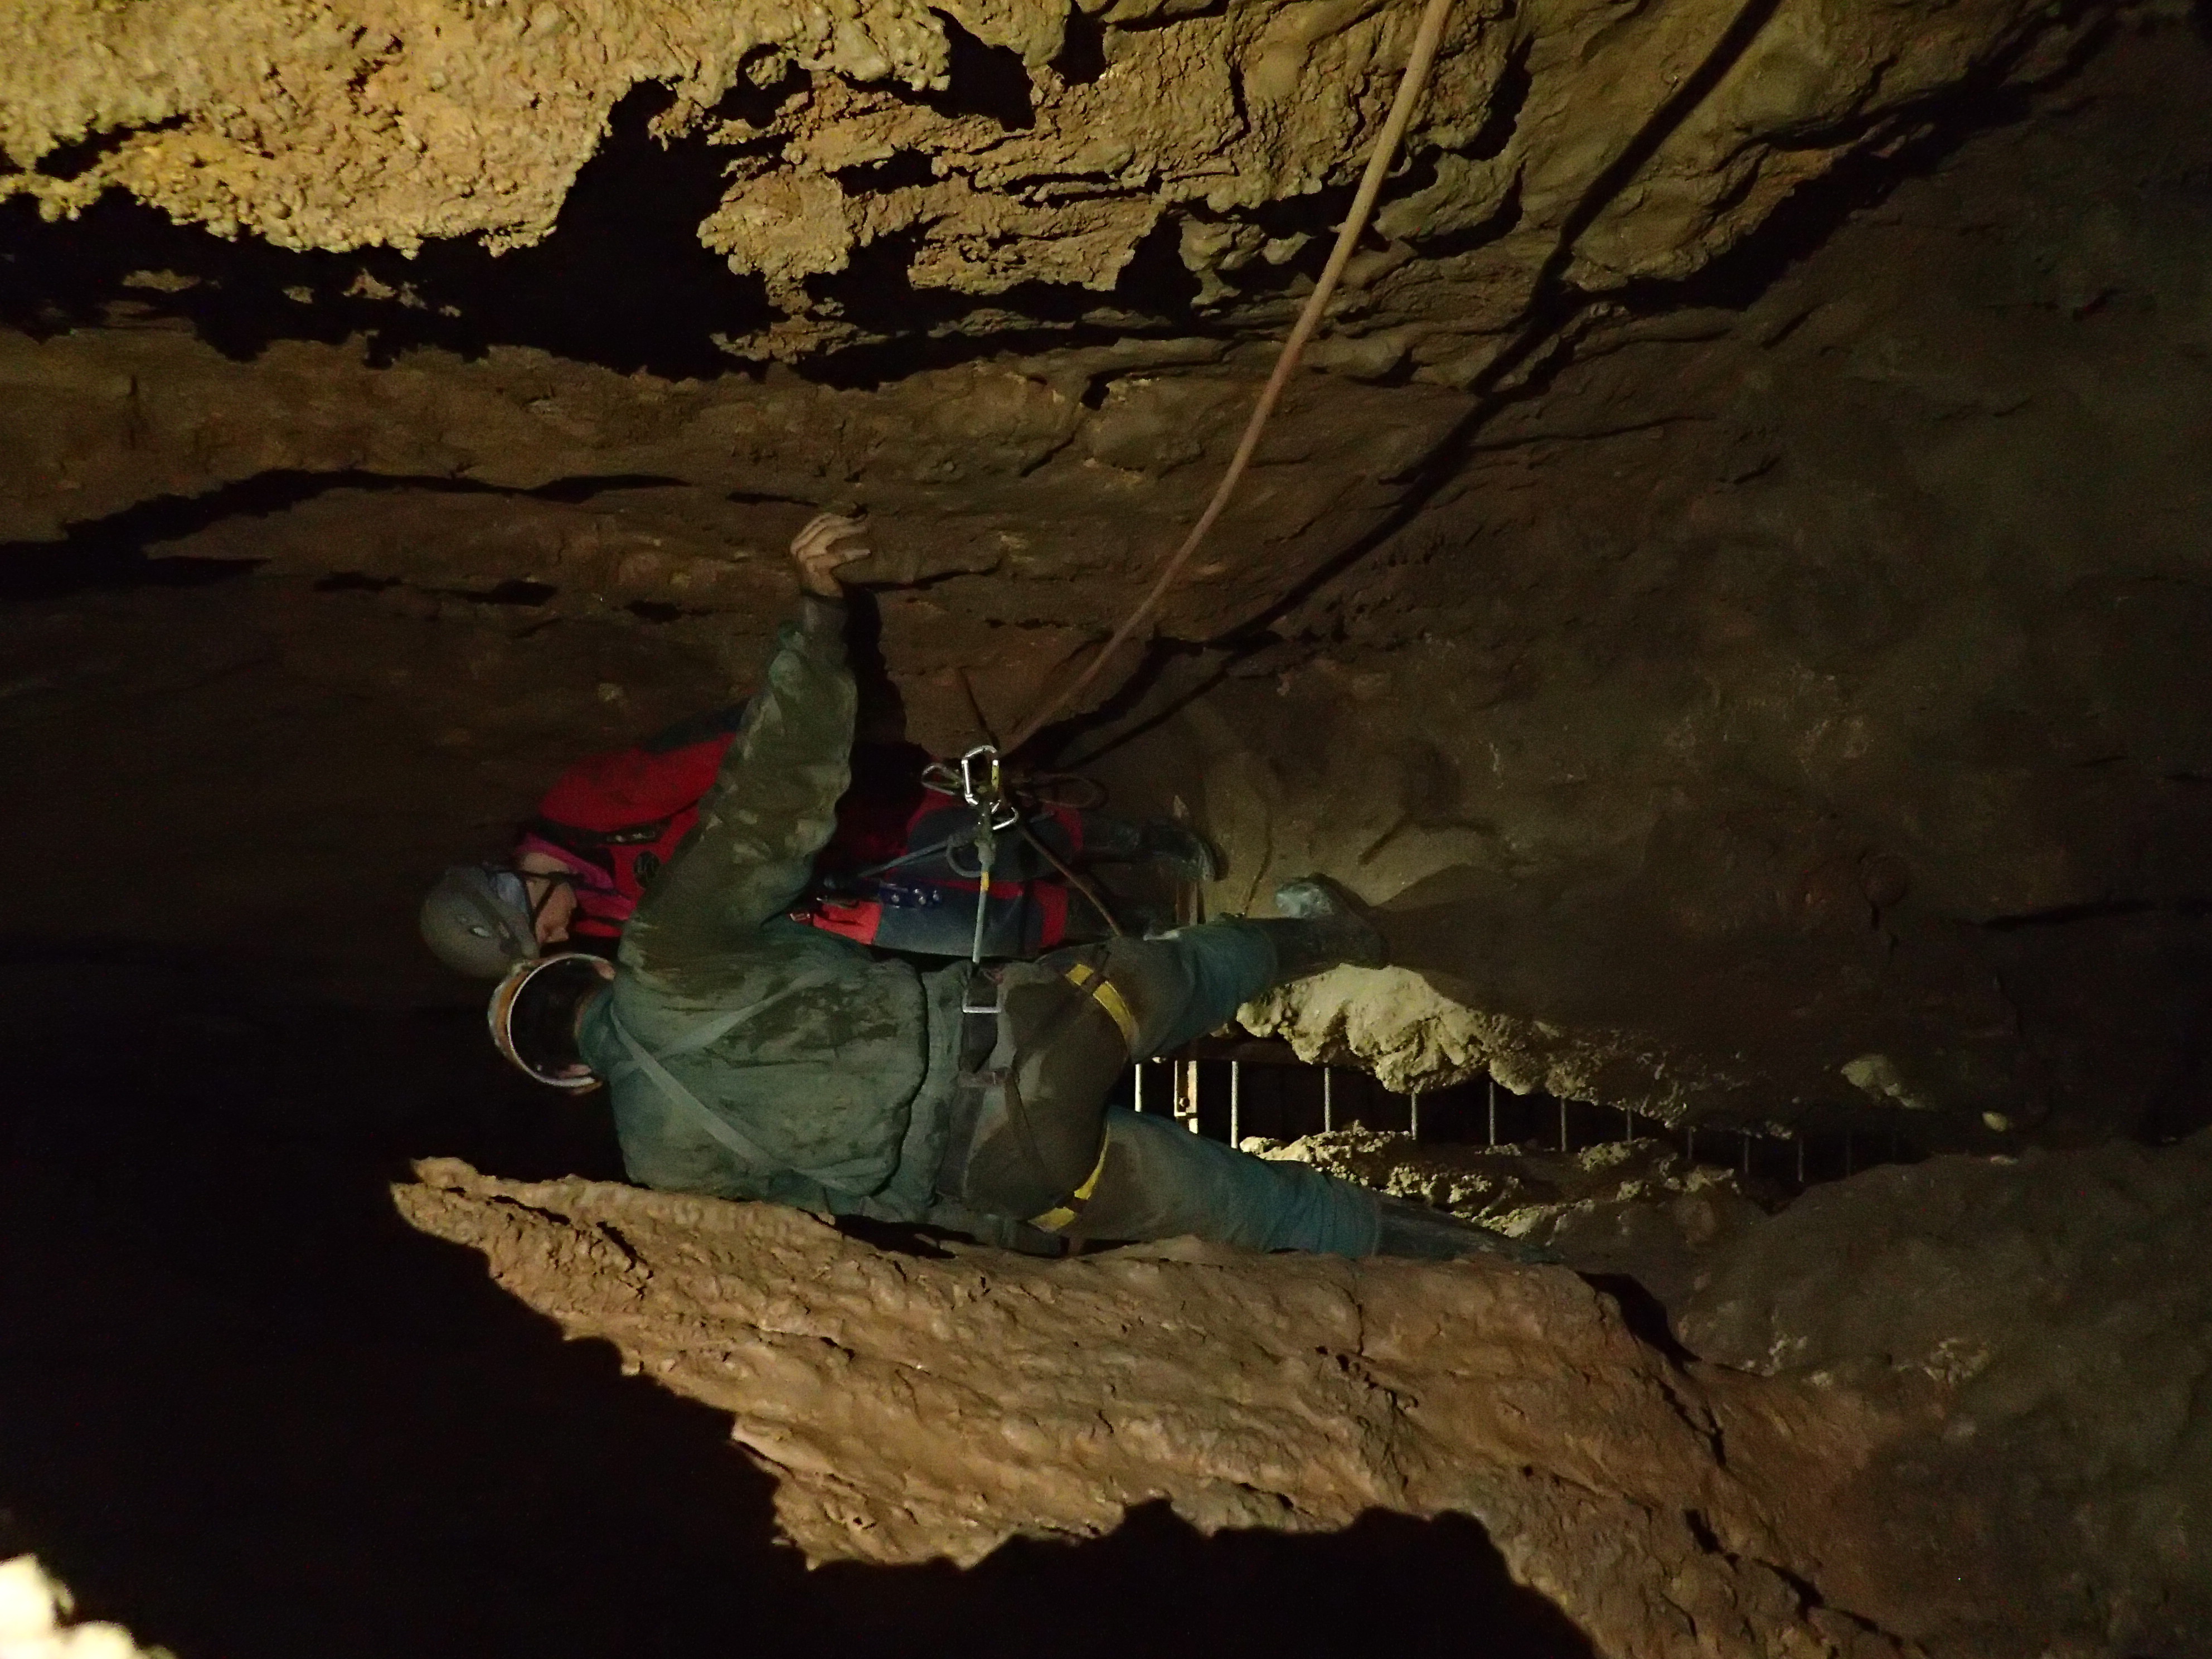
(1427, 1234)
(1325, 927)
(1186, 854)
(1139, 918)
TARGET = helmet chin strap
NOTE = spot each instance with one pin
(553, 880)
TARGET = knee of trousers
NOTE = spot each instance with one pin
(1028, 1130)
(1160, 1180)
(1184, 984)
(1152, 987)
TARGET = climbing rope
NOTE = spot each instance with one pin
(1426, 43)
(1000, 802)
(979, 779)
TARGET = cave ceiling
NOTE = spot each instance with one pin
(1731, 586)
(879, 171)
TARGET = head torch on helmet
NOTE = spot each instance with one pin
(534, 1016)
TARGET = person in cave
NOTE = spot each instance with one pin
(749, 1056)
(897, 873)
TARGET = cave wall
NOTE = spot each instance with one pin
(1762, 691)
(2048, 1317)
(1733, 592)
(1844, 735)
(909, 1409)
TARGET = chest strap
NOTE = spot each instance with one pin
(672, 1089)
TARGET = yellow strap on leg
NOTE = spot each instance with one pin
(1108, 998)
(1052, 1220)
(1083, 977)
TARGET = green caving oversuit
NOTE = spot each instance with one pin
(750, 1056)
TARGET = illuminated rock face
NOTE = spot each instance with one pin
(36, 1622)
(981, 155)
(1933, 1416)
(912, 1409)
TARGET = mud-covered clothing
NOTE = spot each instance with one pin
(615, 820)
(1041, 1143)
(750, 1056)
(827, 1066)
(1160, 1180)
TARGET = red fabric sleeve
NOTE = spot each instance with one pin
(633, 787)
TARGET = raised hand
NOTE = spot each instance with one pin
(817, 553)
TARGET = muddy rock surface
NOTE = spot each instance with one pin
(1633, 1207)
(1902, 1436)
(911, 1407)
(2055, 1318)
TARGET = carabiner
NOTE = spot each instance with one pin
(983, 786)
(974, 793)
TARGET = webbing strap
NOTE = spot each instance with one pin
(1110, 999)
(706, 1031)
(712, 1122)
(1052, 1220)
(713, 1028)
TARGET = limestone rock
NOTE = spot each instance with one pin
(912, 1405)
(2053, 1317)
(1635, 1208)
(916, 1407)
(984, 147)
(35, 1621)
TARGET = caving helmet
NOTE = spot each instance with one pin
(478, 920)
(534, 1016)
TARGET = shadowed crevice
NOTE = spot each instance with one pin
(110, 552)
(622, 280)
